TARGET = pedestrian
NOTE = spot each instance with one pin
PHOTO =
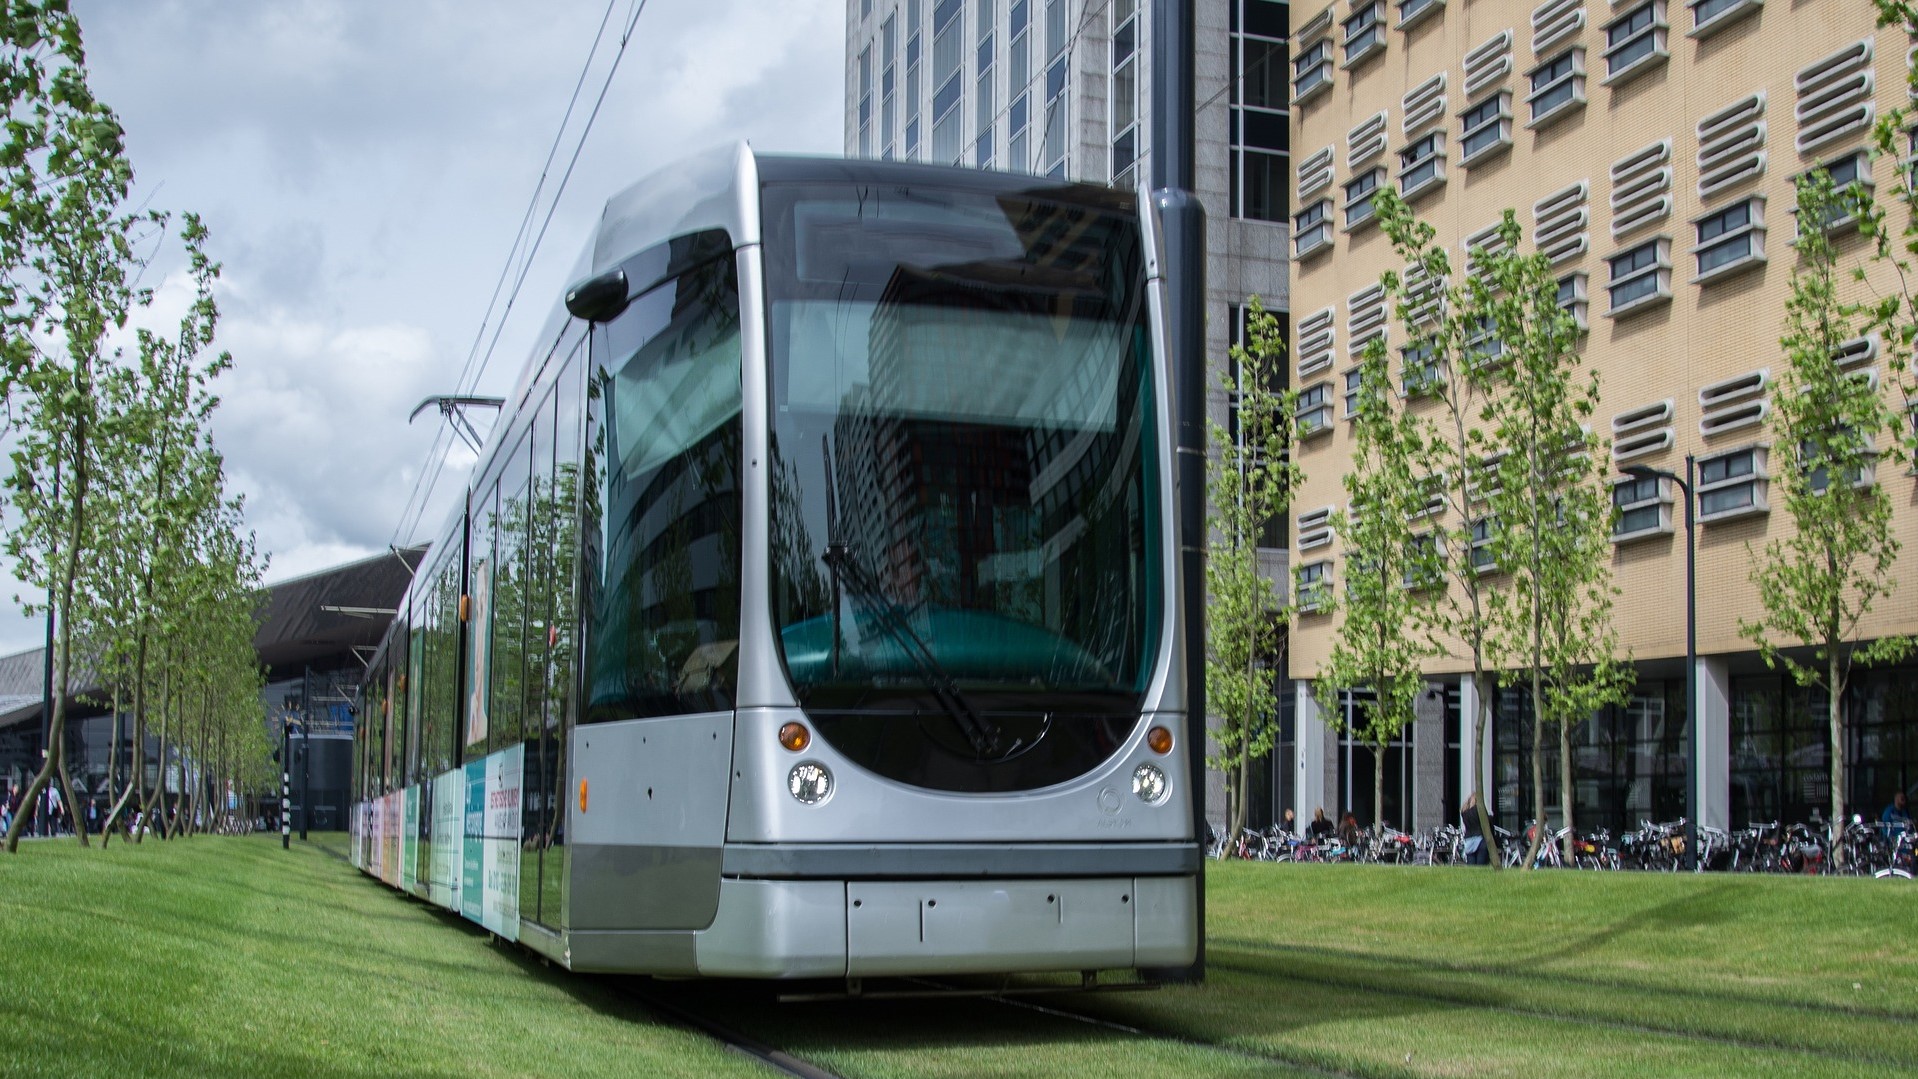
(1321, 828)
(1897, 814)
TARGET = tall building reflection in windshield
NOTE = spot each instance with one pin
(965, 526)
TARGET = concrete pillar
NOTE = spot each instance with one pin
(1428, 759)
(1313, 756)
(1713, 752)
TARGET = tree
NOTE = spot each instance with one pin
(1251, 485)
(1817, 585)
(67, 244)
(1449, 326)
(1895, 315)
(1549, 517)
(1392, 569)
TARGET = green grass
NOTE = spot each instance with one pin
(216, 957)
(229, 957)
(1471, 972)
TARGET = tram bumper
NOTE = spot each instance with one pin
(831, 929)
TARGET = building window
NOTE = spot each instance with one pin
(865, 102)
(1483, 529)
(1852, 168)
(1730, 239)
(914, 16)
(1125, 91)
(1422, 164)
(1411, 11)
(1419, 369)
(1709, 15)
(1314, 585)
(1018, 74)
(1358, 197)
(1558, 85)
(1260, 139)
(888, 84)
(1483, 345)
(1732, 484)
(1052, 151)
(948, 58)
(1354, 384)
(1572, 300)
(1312, 229)
(1635, 40)
(1485, 127)
(1364, 32)
(1314, 415)
(1311, 70)
(986, 105)
(1643, 507)
(1422, 565)
(1818, 470)
(1640, 275)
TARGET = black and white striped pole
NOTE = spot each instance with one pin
(286, 787)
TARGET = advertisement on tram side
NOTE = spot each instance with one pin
(489, 871)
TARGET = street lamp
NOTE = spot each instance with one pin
(1692, 717)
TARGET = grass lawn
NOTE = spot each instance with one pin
(228, 957)
(216, 957)
(1392, 969)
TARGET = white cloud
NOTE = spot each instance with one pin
(363, 168)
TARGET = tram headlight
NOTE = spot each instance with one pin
(810, 782)
(1150, 784)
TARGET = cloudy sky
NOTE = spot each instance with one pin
(363, 166)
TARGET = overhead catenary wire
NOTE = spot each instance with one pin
(476, 363)
(553, 206)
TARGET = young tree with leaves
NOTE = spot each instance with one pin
(66, 238)
(1391, 572)
(1549, 517)
(1817, 585)
(1253, 477)
(1448, 321)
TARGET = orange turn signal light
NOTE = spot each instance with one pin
(582, 796)
(795, 736)
(1159, 739)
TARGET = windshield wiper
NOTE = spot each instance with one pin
(983, 733)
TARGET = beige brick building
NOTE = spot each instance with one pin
(1651, 147)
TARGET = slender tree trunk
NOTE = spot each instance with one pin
(157, 796)
(139, 762)
(1570, 850)
(62, 607)
(1480, 718)
(1538, 838)
(1378, 786)
(1835, 709)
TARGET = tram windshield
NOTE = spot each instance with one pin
(964, 500)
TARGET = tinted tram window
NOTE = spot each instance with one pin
(964, 495)
(477, 707)
(511, 528)
(663, 525)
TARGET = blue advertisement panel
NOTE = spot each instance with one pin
(473, 848)
(410, 840)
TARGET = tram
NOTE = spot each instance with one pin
(813, 613)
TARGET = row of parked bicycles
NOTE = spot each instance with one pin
(1861, 848)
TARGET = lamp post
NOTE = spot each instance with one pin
(286, 783)
(1692, 717)
(306, 756)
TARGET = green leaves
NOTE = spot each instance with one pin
(115, 489)
(1251, 482)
